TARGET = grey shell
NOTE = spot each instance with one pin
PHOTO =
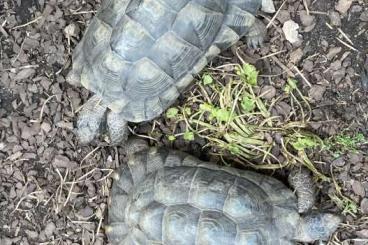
(138, 55)
(169, 197)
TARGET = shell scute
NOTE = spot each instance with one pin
(210, 188)
(179, 224)
(177, 182)
(215, 228)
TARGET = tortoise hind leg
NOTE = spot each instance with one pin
(300, 179)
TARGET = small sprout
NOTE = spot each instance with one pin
(248, 74)
(305, 142)
(206, 107)
(291, 85)
(172, 112)
(187, 111)
(171, 137)
(234, 149)
(248, 104)
(207, 79)
(222, 115)
(188, 136)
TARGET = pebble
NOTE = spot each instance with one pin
(358, 188)
(343, 6)
(268, 92)
(24, 73)
(50, 229)
(306, 19)
(335, 18)
(364, 16)
(364, 206)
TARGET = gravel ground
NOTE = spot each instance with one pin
(54, 191)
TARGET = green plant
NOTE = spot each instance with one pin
(343, 143)
(239, 123)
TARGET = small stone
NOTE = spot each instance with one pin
(50, 229)
(317, 92)
(308, 65)
(28, 132)
(332, 52)
(290, 29)
(343, 6)
(362, 233)
(283, 16)
(358, 188)
(25, 73)
(364, 206)
(335, 65)
(71, 30)
(296, 56)
(31, 234)
(46, 127)
(268, 92)
(335, 18)
(305, 18)
(86, 212)
(61, 161)
(339, 162)
(364, 16)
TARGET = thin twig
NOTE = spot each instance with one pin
(278, 62)
(275, 15)
(347, 45)
(306, 7)
(345, 36)
(273, 54)
(28, 23)
(301, 74)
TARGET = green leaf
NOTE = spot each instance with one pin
(172, 112)
(248, 74)
(292, 83)
(187, 111)
(303, 143)
(248, 104)
(188, 136)
(222, 115)
(171, 137)
(206, 107)
(234, 149)
(207, 79)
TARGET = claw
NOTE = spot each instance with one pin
(256, 34)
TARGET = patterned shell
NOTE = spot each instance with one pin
(138, 55)
(168, 197)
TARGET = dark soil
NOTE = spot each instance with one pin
(54, 191)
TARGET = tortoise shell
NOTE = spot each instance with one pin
(138, 55)
(169, 197)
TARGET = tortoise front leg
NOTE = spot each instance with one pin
(117, 128)
(90, 119)
(256, 34)
(300, 179)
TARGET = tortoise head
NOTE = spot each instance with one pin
(317, 226)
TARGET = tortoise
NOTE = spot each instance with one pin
(138, 55)
(167, 197)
